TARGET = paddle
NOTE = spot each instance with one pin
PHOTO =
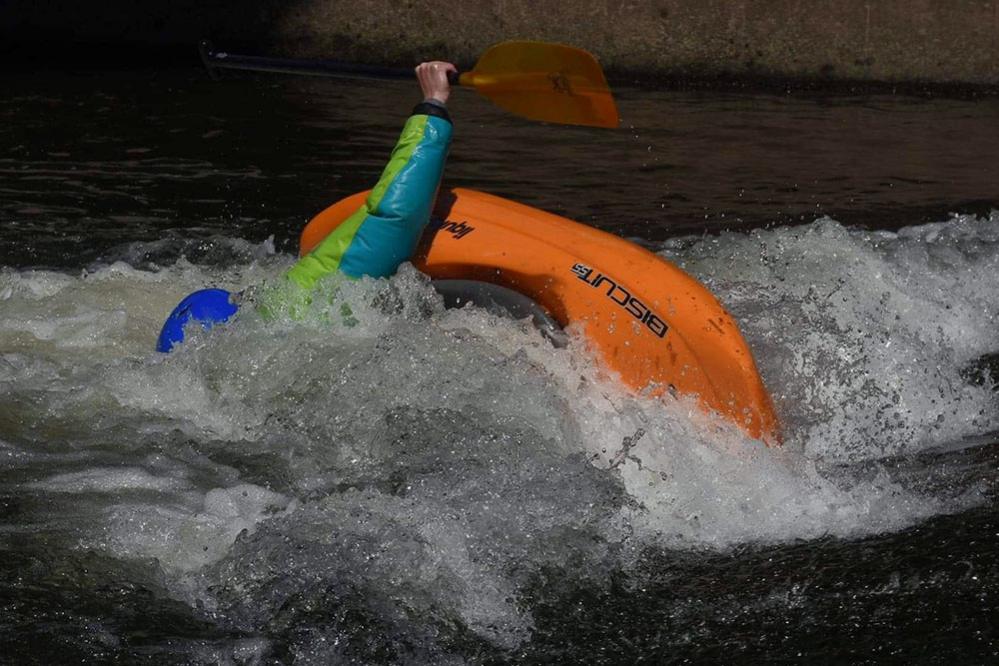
(536, 80)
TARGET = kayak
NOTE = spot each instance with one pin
(660, 330)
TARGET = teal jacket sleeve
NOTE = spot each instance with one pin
(384, 232)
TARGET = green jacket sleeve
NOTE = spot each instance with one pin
(384, 232)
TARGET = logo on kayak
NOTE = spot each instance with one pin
(622, 297)
(457, 229)
(560, 83)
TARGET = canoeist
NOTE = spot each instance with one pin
(381, 234)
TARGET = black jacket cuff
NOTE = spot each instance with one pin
(428, 109)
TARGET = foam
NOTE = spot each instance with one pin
(372, 451)
(108, 480)
(186, 538)
(863, 335)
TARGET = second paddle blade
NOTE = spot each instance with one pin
(546, 82)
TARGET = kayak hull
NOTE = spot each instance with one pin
(650, 322)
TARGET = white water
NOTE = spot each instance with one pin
(421, 465)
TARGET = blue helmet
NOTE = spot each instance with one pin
(208, 306)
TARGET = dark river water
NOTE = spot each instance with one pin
(435, 486)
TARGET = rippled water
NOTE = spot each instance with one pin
(415, 484)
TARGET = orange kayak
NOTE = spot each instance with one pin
(658, 328)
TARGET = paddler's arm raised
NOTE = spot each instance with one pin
(384, 232)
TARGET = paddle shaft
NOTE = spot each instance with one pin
(331, 68)
(535, 80)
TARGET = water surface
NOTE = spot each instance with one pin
(415, 484)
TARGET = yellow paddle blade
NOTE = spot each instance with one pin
(542, 81)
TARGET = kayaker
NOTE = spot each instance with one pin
(380, 235)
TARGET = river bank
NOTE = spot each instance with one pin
(947, 48)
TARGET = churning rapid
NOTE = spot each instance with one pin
(388, 479)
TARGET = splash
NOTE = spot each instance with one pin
(378, 465)
(864, 335)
